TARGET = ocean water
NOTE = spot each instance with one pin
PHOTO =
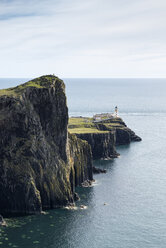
(134, 187)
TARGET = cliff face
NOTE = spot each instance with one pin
(102, 144)
(36, 155)
(103, 136)
(80, 160)
(125, 135)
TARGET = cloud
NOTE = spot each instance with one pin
(90, 38)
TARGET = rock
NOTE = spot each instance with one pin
(125, 135)
(102, 144)
(2, 221)
(40, 164)
(44, 212)
(76, 197)
(71, 206)
(87, 183)
(80, 160)
(98, 170)
(83, 207)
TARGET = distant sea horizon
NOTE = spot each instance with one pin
(85, 99)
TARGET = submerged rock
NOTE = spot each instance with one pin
(83, 207)
(98, 170)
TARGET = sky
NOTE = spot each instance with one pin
(83, 38)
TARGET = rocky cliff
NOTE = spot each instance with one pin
(39, 164)
(125, 135)
(80, 161)
(102, 144)
(103, 136)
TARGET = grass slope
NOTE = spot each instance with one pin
(78, 125)
(40, 82)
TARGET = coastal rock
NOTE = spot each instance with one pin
(2, 221)
(76, 196)
(103, 136)
(125, 135)
(87, 183)
(83, 207)
(39, 164)
(80, 157)
(102, 144)
(98, 170)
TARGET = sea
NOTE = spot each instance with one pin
(126, 207)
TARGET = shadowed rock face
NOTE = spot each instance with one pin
(81, 161)
(37, 168)
(125, 135)
(102, 144)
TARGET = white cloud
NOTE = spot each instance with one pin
(90, 38)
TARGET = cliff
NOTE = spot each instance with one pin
(80, 161)
(125, 135)
(102, 144)
(103, 136)
(39, 164)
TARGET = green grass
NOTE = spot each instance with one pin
(41, 82)
(79, 121)
(86, 125)
(82, 125)
(112, 124)
(86, 130)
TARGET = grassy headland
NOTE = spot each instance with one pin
(40, 82)
(78, 125)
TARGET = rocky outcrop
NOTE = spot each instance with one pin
(39, 164)
(102, 144)
(111, 133)
(125, 135)
(98, 170)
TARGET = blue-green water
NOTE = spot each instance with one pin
(133, 188)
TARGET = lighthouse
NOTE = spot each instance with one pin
(116, 111)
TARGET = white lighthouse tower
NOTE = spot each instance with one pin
(116, 111)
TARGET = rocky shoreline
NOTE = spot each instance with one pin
(41, 161)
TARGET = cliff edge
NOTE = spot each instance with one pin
(103, 136)
(40, 165)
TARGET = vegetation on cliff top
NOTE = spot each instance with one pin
(82, 125)
(78, 125)
(40, 82)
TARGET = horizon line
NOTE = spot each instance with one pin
(86, 77)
